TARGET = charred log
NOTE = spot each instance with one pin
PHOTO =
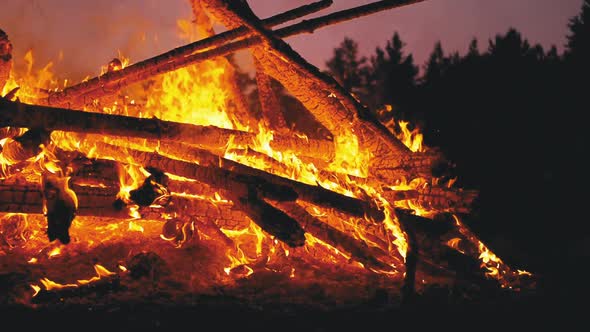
(269, 218)
(21, 197)
(24, 146)
(372, 257)
(153, 190)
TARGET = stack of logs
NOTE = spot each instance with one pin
(275, 203)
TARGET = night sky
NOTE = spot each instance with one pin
(89, 33)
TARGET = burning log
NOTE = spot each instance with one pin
(446, 199)
(226, 174)
(330, 103)
(372, 257)
(269, 218)
(22, 115)
(5, 59)
(85, 92)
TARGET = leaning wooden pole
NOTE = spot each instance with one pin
(219, 45)
(85, 91)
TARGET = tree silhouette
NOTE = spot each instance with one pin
(578, 41)
(392, 77)
(348, 68)
(436, 64)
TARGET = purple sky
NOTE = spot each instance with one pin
(90, 33)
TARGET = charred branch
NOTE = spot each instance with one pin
(269, 218)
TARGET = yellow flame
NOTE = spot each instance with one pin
(101, 272)
(349, 157)
(241, 255)
(134, 227)
(54, 252)
(36, 290)
(32, 83)
(50, 285)
(195, 94)
(413, 139)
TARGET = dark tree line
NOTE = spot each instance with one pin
(510, 115)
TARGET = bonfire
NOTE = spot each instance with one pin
(115, 190)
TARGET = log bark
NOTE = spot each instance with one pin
(5, 60)
(28, 198)
(83, 93)
(17, 114)
(328, 101)
(272, 112)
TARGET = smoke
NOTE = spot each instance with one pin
(81, 36)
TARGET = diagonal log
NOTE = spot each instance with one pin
(325, 98)
(186, 55)
(284, 227)
(372, 257)
(83, 93)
